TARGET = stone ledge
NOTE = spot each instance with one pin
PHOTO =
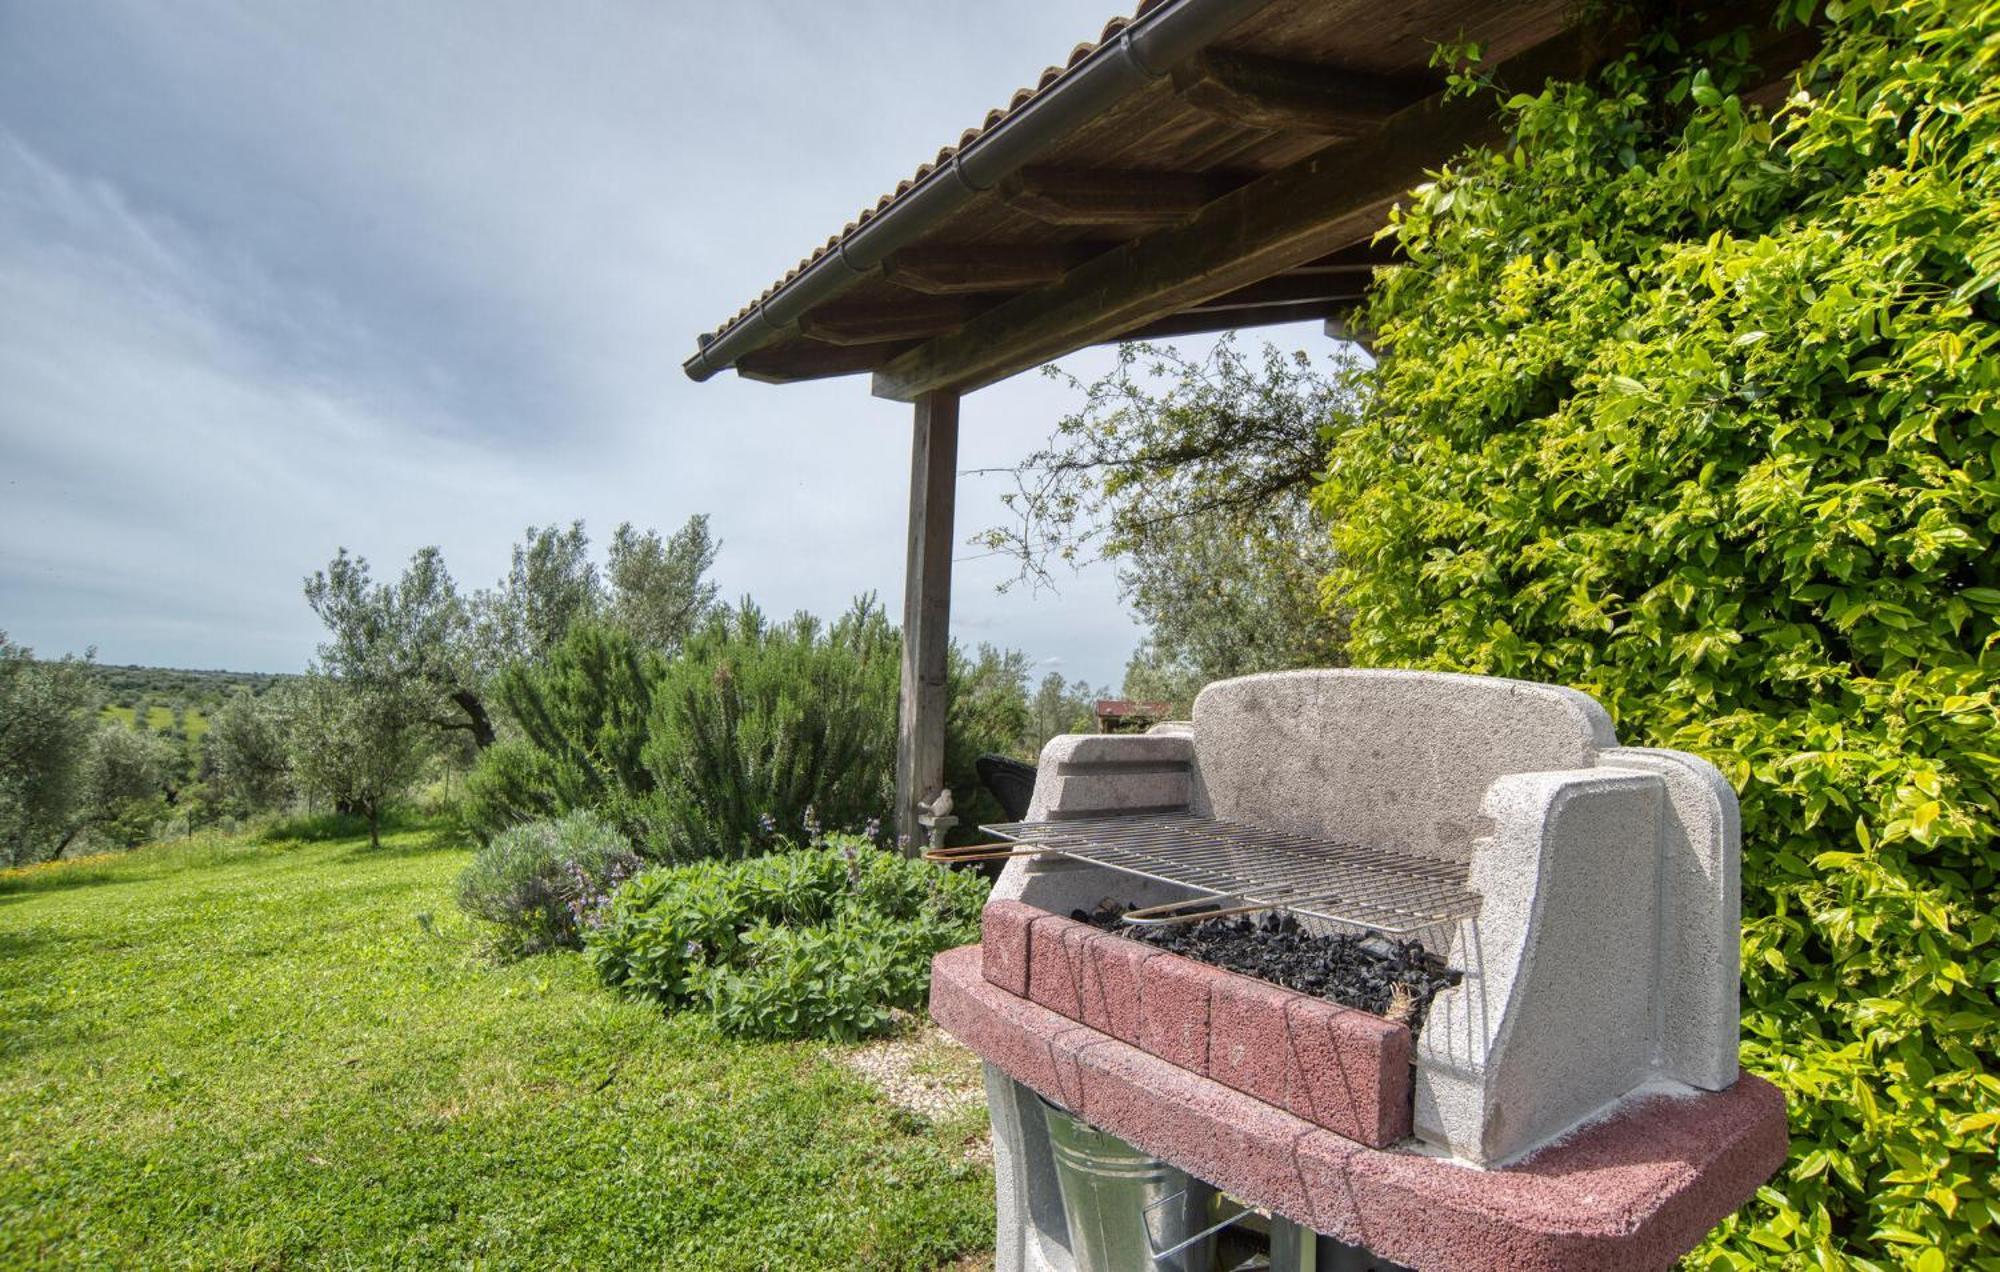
(1344, 1070)
(1636, 1190)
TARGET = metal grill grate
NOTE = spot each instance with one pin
(1379, 889)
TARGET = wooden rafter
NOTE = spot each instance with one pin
(914, 318)
(811, 360)
(1199, 321)
(1363, 258)
(1333, 199)
(1286, 96)
(1089, 196)
(952, 270)
(1289, 289)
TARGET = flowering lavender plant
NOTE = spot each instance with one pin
(590, 896)
(541, 885)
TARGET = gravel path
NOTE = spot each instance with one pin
(924, 1071)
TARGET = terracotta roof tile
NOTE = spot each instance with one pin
(944, 156)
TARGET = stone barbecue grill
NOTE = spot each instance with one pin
(1573, 1101)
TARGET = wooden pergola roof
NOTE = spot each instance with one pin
(1208, 164)
(1241, 187)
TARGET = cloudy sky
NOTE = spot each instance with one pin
(276, 278)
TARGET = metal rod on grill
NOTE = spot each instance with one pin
(1181, 912)
(1251, 869)
(984, 852)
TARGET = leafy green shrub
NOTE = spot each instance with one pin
(1697, 409)
(814, 942)
(510, 783)
(542, 884)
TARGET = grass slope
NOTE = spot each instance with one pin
(160, 719)
(226, 1054)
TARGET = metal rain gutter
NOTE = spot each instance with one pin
(1144, 51)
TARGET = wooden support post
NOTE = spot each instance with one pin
(926, 610)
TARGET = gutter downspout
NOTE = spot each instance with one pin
(1144, 51)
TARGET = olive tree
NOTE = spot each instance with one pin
(1196, 477)
(654, 587)
(414, 636)
(550, 586)
(659, 589)
(129, 778)
(246, 746)
(358, 743)
(46, 726)
(1058, 707)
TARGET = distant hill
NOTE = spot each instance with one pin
(162, 689)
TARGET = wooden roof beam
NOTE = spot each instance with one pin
(1332, 199)
(1349, 327)
(916, 318)
(953, 270)
(1364, 257)
(1289, 289)
(1201, 321)
(1286, 96)
(1094, 196)
(812, 360)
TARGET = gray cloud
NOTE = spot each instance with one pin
(277, 278)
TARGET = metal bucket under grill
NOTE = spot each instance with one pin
(1127, 1212)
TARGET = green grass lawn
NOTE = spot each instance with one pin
(227, 1054)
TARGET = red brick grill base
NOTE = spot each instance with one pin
(1636, 1190)
(1342, 1069)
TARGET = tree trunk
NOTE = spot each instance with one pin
(374, 824)
(475, 712)
(69, 837)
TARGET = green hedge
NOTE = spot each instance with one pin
(1696, 407)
